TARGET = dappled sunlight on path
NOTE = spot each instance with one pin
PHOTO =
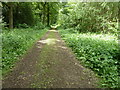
(49, 41)
(50, 64)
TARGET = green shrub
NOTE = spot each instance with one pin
(98, 52)
(15, 44)
(91, 17)
(22, 25)
(39, 25)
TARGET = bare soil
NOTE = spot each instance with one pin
(50, 64)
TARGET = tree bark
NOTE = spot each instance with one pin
(44, 11)
(10, 16)
(48, 19)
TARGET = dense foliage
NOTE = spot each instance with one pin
(24, 14)
(91, 30)
(16, 43)
(90, 17)
(99, 52)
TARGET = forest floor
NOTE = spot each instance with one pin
(50, 64)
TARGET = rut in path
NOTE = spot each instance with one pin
(50, 64)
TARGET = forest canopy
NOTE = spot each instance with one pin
(82, 16)
(23, 14)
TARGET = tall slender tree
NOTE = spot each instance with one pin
(10, 15)
(48, 16)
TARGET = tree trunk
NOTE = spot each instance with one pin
(48, 19)
(44, 11)
(11, 17)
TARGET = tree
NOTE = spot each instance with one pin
(9, 6)
(16, 13)
(29, 13)
(10, 15)
(48, 14)
(92, 17)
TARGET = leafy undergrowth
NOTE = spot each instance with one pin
(15, 43)
(98, 52)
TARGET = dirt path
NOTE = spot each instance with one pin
(50, 64)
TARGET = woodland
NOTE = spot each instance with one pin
(90, 29)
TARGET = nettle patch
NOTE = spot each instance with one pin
(99, 52)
